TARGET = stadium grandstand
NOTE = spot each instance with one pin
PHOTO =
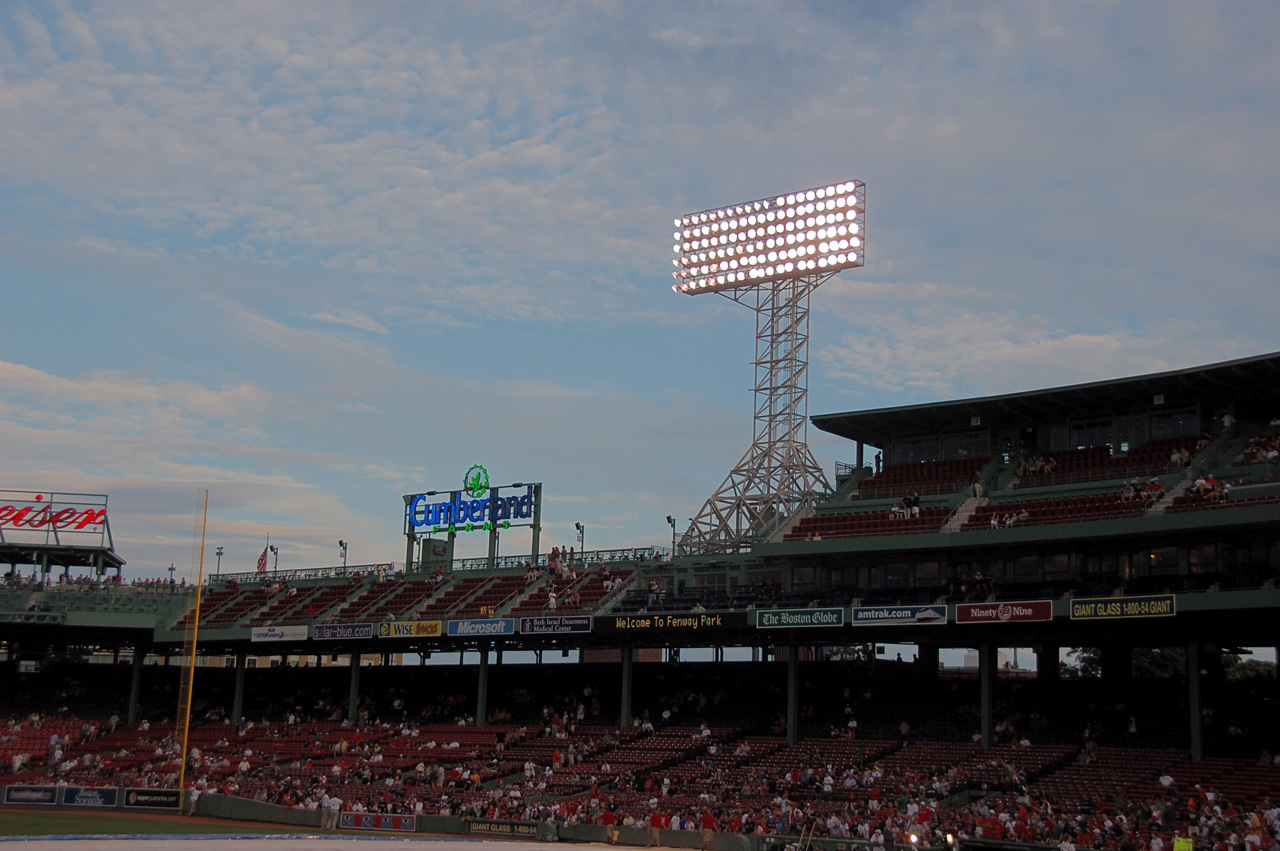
(1124, 534)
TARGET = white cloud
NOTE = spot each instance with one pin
(352, 318)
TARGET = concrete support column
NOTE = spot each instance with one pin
(353, 697)
(482, 687)
(135, 685)
(1047, 662)
(928, 657)
(1193, 698)
(237, 701)
(988, 657)
(793, 695)
(624, 712)
(1117, 663)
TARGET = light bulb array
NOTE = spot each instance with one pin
(811, 232)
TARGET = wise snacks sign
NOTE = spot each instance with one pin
(51, 518)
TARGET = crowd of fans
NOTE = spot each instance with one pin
(729, 790)
(696, 757)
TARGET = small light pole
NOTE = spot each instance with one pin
(171, 569)
(671, 521)
(582, 536)
(218, 569)
(342, 547)
(275, 553)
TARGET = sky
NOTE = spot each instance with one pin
(313, 257)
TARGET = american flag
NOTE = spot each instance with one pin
(262, 560)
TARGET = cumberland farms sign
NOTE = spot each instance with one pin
(44, 518)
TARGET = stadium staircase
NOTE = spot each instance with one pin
(962, 513)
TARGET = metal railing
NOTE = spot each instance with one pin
(270, 576)
(587, 558)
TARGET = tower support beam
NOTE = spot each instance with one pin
(778, 474)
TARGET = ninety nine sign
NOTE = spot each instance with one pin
(1030, 610)
(409, 629)
(899, 615)
(51, 518)
(790, 618)
(1115, 608)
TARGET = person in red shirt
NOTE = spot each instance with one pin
(708, 823)
(657, 821)
(609, 820)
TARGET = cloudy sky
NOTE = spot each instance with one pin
(316, 256)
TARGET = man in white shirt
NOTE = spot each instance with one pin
(332, 810)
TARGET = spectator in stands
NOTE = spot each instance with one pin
(1154, 490)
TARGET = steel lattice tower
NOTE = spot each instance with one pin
(769, 255)
(778, 474)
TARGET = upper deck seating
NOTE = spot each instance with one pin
(1067, 509)
(856, 524)
(923, 477)
(1096, 463)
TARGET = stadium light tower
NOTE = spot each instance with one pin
(769, 255)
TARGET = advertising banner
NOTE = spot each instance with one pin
(505, 829)
(167, 798)
(555, 625)
(31, 794)
(376, 821)
(1020, 612)
(1116, 608)
(794, 618)
(409, 629)
(899, 615)
(341, 631)
(682, 622)
(89, 796)
(279, 633)
(483, 626)
(45, 518)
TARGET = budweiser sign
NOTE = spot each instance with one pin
(51, 518)
(1022, 611)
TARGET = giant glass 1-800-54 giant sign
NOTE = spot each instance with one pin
(476, 506)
